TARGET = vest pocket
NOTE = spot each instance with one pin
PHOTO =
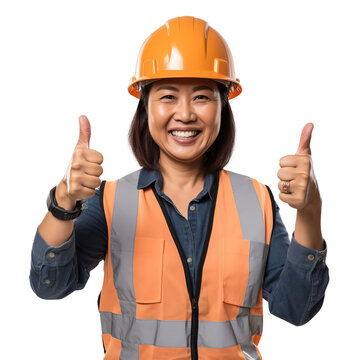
(147, 269)
(243, 269)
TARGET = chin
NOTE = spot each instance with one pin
(187, 159)
(181, 157)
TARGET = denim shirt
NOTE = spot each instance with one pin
(294, 282)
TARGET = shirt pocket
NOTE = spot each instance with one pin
(243, 271)
(147, 269)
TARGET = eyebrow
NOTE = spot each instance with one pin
(173, 88)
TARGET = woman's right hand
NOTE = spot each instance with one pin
(82, 176)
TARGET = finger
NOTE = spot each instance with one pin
(288, 198)
(81, 186)
(304, 144)
(84, 193)
(93, 156)
(286, 173)
(93, 169)
(85, 132)
(289, 160)
(91, 182)
(281, 187)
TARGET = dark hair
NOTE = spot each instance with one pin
(147, 151)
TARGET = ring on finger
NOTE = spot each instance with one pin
(286, 187)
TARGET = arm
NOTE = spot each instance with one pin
(56, 271)
(59, 264)
(296, 276)
(308, 225)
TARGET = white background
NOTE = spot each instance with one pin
(298, 62)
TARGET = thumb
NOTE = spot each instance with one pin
(304, 145)
(85, 132)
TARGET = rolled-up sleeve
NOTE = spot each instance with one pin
(296, 277)
(54, 272)
(58, 271)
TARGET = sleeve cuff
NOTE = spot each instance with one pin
(303, 256)
(44, 254)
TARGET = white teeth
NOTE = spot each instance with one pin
(184, 134)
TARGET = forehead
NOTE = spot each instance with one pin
(184, 83)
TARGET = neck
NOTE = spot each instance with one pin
(181, 175)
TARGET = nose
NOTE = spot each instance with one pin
(184, 111)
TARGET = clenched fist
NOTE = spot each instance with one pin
(83, 173)
(298, 186)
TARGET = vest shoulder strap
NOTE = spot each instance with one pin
(252, 200)
(131, 178)
(120, 199)
(128, 182)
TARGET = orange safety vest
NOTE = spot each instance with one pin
(148, 307)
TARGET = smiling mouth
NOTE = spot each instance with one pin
(184, 134)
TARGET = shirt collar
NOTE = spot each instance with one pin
(148, 177)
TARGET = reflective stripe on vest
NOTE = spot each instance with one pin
(147, 306)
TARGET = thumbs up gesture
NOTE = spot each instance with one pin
(298, 186)
(82, 176)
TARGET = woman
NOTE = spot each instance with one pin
(190, 249)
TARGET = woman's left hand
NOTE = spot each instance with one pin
(298, 170)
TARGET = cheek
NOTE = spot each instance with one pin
(216, 130)
(157, 116)
(158, 110)
(211, 111)
(214, 123)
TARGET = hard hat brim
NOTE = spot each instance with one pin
(135, 85)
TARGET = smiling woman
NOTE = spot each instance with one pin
(190, 249)
(181, 104)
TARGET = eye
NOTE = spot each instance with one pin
(201, 97)
(167, 97)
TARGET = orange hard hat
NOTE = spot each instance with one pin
(185, 47)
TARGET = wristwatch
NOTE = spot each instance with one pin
(59, 212)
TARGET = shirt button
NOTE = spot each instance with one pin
(47, 282)
(311, 257)
(189, 260)
(192, 207)
(51, 254)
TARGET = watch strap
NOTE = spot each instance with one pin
(61, 213)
